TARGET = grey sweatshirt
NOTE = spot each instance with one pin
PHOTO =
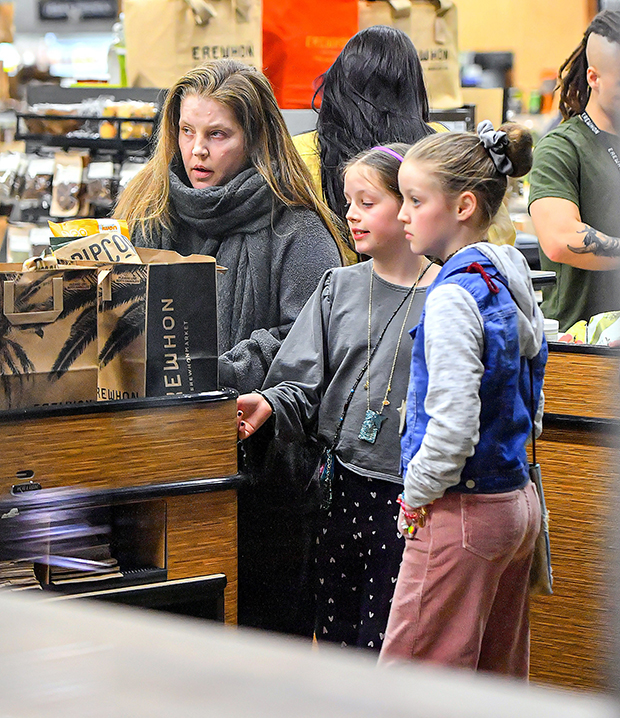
(454, 344)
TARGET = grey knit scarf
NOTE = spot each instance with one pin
(233, 223)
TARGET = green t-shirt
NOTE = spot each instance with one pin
(572, 163)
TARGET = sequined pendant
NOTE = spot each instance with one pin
(371, 426)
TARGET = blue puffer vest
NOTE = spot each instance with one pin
(500, 461)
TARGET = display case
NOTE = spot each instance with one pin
(157, 476)
(76, 149)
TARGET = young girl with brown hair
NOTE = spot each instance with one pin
(341, 375)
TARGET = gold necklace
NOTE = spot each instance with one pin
(371, 426)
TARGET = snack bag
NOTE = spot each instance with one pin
(38, 180)
(102, 247)
(603, 328)
(67, 185)
(88, 227)
(101, 184)
(575, 334)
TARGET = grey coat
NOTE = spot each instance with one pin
(274, 255)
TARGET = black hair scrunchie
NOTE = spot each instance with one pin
(495, 143)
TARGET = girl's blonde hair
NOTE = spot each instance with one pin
(246, 92)
(384, 163)
(460, 163)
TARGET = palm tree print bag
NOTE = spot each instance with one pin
(48, 336)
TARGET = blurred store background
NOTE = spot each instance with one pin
(109, 61)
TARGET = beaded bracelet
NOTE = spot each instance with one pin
(418, 516)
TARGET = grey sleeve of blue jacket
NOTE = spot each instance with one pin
(453, 344)
(295, 383)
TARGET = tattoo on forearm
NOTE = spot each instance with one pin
(597, 243)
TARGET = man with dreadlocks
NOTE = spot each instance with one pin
(575, 181)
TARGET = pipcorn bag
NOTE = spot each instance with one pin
(103, 247)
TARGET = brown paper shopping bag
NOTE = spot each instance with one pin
(432, 25)
(48, 336)
(166, 38)
(7, 26)
(157, 326)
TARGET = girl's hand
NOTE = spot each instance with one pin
(405, 525)
(253, 410)
(410, 520)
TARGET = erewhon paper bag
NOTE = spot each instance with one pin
(157, 326)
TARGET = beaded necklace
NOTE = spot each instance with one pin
(371, 426)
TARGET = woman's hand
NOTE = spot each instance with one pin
(253, 410)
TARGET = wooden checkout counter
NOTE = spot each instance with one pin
(166, 467)
(170, 464)
(572, 630)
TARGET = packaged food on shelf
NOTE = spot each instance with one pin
(19, 246)
(129, 169)
(103, 118)
(101, 183)
(12, 170)
(127, 111)
(67, 184)
(54, 119)
(37, 185)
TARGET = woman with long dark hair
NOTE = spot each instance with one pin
(373, 94)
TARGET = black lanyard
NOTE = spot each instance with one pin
(590, 124)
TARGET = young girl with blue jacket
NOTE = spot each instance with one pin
(469, 509)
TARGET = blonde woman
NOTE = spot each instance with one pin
(226, 180)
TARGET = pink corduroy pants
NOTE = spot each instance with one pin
(462, 595)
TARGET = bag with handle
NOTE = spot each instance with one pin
(166, 38)
(157, 326)
(48, 336)
(541, 573)
(7, 26)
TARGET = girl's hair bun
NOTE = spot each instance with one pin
(519, 149)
